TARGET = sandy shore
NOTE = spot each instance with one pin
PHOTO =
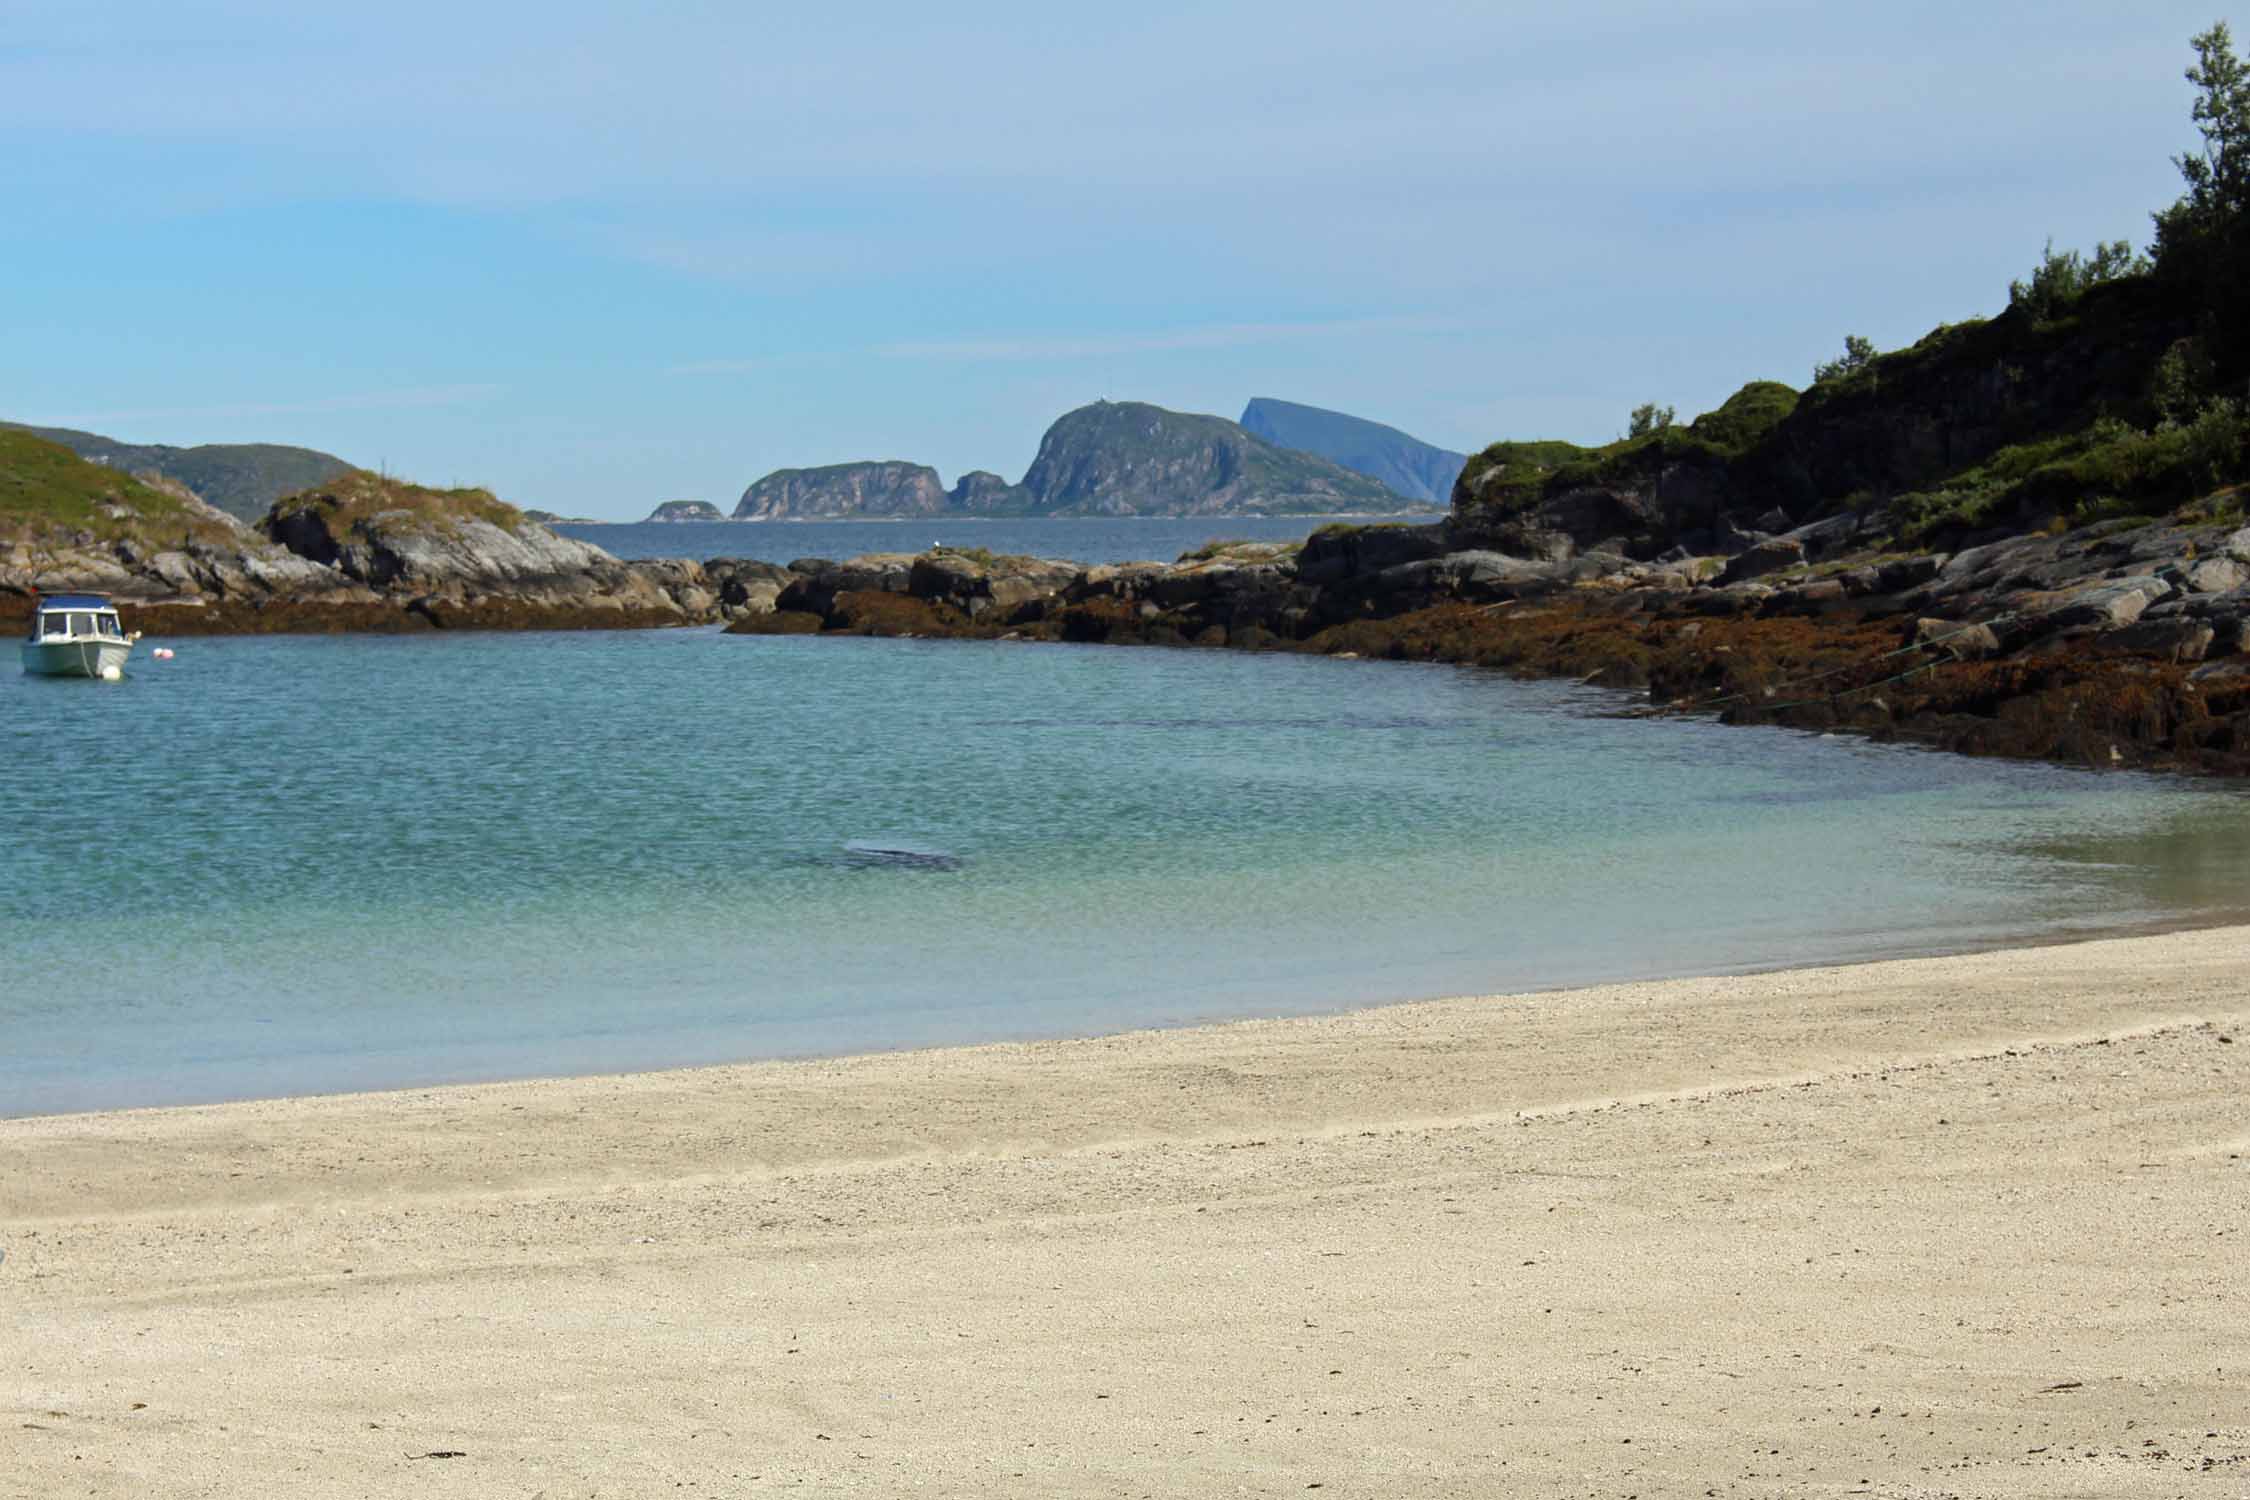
(1966, 1226)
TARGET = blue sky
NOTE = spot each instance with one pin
(601, 255)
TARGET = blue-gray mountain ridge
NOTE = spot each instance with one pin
(1415, 469)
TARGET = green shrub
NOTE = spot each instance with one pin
(2106, 470)
(1858, 354)
(1648, 417)
(1745, 417)
(2181, 382)
(2059, 280)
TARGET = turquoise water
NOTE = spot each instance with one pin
(306, 864)
(1084, 539)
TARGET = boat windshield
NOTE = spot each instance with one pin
(54, 624)
(108, 625)
(81, 624)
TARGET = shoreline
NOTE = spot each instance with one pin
(2108, 931)
(1762, 1230)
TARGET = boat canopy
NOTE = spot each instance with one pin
(74, 601)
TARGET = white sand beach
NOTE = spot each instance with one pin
(1970, 1226)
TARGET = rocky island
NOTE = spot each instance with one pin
(885, 487)
(685, 510)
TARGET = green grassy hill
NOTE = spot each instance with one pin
(242, 479)
(49, 495)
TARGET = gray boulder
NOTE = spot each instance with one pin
(2174, 640)
(2105, 606)
(1770, 556)
(1972, 642)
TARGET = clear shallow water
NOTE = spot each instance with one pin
(305, 864)
(1080, 540)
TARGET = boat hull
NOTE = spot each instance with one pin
(93, 658)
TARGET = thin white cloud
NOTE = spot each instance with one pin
(1063, 347)
(753, 364)
(1102, 346)
(409, 397)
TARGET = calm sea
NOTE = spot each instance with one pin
(1130, 539)
(305, 864)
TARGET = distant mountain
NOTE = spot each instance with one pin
(242, 479)
(687, 510)
(1114, 458)
(1127, 458)
(1408, 465)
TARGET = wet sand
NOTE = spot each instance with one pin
(1964, 1226)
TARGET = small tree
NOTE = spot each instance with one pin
(1859, 353)
(2061, 279)
(2218, 179)
(1648, 417)
(2202, 239)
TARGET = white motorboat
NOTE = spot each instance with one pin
(77, 635)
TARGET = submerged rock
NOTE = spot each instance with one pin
(898, 854)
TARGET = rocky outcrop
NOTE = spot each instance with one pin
(2100, 645)
(840, 491)
(464, 557)
(979, 584)
(363, 553)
